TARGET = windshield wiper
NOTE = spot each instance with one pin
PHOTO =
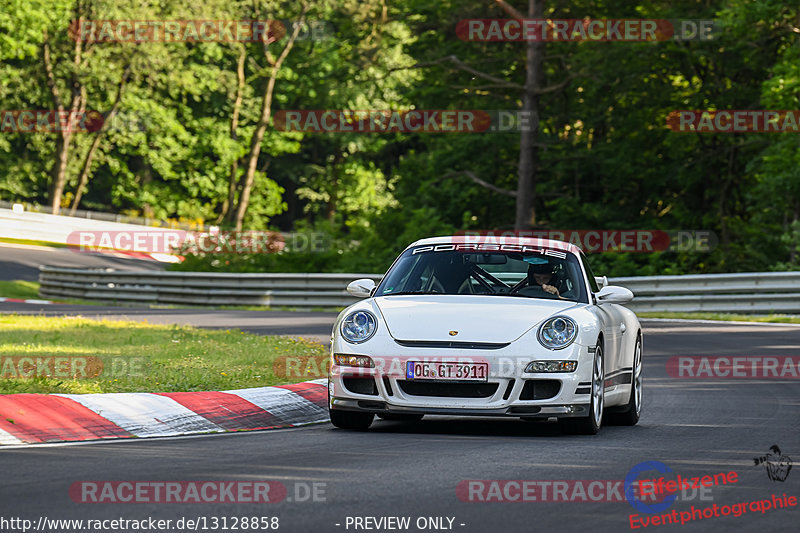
(410, 292)
(516, 294)
(529, 296)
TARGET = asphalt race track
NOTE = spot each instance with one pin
(22, 261)
(695, 427)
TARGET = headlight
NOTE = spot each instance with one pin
(342, 359)
(551, 366)
(359, 326)
(558, 332)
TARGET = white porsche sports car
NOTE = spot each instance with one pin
(518, 328)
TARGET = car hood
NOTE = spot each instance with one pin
(491, 319)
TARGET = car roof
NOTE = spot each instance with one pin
(499, 240)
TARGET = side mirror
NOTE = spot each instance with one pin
(612, 294)
(361, 288)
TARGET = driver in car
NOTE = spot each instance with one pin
(542, 275)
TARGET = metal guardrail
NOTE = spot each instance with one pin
(56, 228)
(757, 292)
(99, 216)
(198, 288)
(749, 292)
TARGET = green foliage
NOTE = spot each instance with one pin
(19, 289)
(605, 159)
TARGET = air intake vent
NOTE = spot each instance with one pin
(448, 390)
(361, 385)
(453, 344)
(540, 389)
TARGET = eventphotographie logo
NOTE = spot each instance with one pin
(665, 487)
(778, 465)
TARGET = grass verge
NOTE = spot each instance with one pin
(31, 242)
(728, 317)
(78, 355)
(29, 290)
(19, 289)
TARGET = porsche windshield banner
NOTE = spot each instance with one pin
(489, 247)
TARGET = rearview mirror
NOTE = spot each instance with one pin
(486, 259)
(613, 294)
(361, 288)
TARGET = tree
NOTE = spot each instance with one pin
(275, 63)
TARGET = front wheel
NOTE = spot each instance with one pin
(629, 415)
(351, 419)
(590, 425)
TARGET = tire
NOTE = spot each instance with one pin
(590, 425)
(629, 415)
(351, 419)
(401, 417)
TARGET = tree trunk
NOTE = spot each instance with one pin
(266, 112)
(87, 162)
(526, 180)
(59, 178)
(794, 247)
(77, 103)
(255, 150)
(722, 210)
(227, 207)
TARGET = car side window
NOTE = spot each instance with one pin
(589, 274)
(400, 279)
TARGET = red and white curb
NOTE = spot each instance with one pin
(21, 301)
(129, 254)
(37, 418)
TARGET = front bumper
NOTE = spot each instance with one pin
(509, 390)
(379, 407)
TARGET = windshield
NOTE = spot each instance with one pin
(550, 274)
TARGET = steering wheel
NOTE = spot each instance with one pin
(537, 292)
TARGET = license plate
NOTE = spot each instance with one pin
(447, 371)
